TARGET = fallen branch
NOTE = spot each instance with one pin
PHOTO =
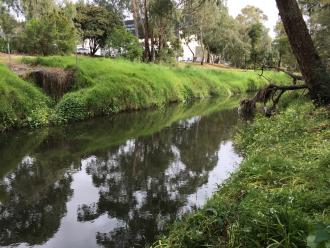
(272, 92)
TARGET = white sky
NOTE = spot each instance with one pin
(267, 6)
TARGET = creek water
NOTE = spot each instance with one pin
(115, 181)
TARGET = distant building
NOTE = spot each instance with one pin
(130, 26)
(192, 51)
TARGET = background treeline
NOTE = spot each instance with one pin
(56, 27)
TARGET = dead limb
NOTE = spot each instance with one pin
(272, 93)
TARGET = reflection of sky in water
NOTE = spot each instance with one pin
(128, 190)
(227, 163)
(77, 234)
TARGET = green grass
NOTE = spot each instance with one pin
(107, 86)
(121, 85)
(281, 191)
(21, 103)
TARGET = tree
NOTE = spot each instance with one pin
(255, 33)
(313, 70)
(281, 46)
(318, 21)
(252, 29)
(251, 15)
(126, 43)
(53, 33)
(30, 9)
(95, 24)
(7, 27)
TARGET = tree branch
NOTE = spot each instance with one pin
(248, 106)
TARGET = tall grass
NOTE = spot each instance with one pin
(120, 85)
(280, 192)
(106, 86)
(21, 103)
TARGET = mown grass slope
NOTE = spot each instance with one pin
(279, 194)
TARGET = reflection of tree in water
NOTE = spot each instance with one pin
(35, 201)
(145, 182)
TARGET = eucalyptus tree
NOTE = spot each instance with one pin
(30, 9)
(281, 46)
(312, 68)
(201, 20)
(253, 31)
(8, 26)
(318, 22)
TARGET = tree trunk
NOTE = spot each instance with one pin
(311, 66)
(202, 46)
(279, 63)
(146, 33)
(208, 56)
(135, 18)
(193, 54)
(152, 55)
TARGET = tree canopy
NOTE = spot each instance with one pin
(95, 24)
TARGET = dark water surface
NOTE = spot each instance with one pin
(113, 182)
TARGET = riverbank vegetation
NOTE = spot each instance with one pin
(56, 27)
(21, 103)
(105, 86)
(280, 193)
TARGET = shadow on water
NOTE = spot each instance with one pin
(113, 182)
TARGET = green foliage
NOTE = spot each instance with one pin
(7, 23)
(319, 237)
(126, 43)
(119, 85)
(319, 25)
(129, 86)
(280, 192)
(81, 80)
(53, 33)
(3, 45)
(96, 24)
(21, 104)
(282, 47)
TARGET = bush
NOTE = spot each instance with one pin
(53, 33)
(126, 44)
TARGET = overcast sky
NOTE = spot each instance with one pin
(267, 6)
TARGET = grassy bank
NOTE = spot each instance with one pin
(21, 103)
(280, 193)
(106, 86)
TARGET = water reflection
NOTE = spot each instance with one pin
(114, 183)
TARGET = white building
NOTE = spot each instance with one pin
(191, 50)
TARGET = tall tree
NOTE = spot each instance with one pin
(7, 26)
(281, 46)
(318, 12)
(95, 24)
(313, 70)
(255, 33)
(52, 33)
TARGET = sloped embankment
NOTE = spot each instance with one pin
(98, 86)
(280, 193)
(21, 103)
